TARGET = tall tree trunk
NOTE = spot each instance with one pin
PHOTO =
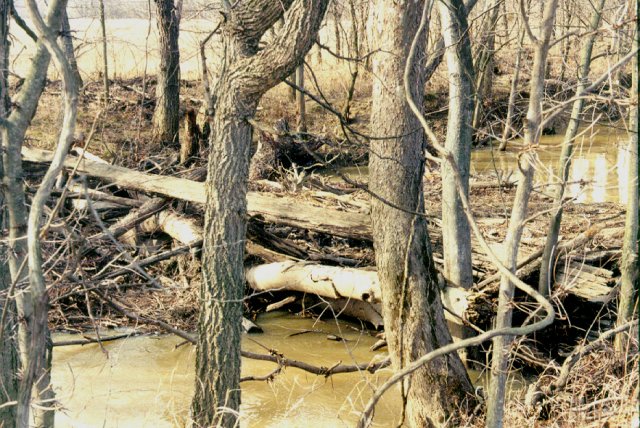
(67, 42)
(8, 344)
(532, 132)
(166, 117)
(630, 265)
(564, 163)
(413, 315)
(105, 60)
(438, 51)
(456, 235)
(37, 374)
(248, 75)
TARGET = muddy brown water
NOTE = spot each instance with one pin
(598, 173)
(148, 381)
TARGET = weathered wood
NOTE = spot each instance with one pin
(326, 281)
(298, 213)
(338, 283)
(282, 210)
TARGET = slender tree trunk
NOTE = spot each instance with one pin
(67, 42)
(300, 101)
(413, 315)
(532, 132)
(12, 139)
(564, 163)
(438, 51)
(249, 73)
(105, 60)
(8, 344)
(484, 62)
(512, 96)
(630, 265)
(38, 372)
(456, 234)
(166, 117)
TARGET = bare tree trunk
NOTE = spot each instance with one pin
(300, 101)
(105, 60)
(249, 73)
(38, 372)
(484, 62)
(412, 309)
(512, 96)
(438, 51)
(12, 139)
(67, 42)
(8, 344)
(564, 163)
(456, 235)
(630, 269)
(166, 117)
(532, 132)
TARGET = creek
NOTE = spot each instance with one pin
(147, 381)
(598, 173)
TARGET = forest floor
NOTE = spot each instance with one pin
(601, 391)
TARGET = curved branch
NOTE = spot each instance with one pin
(39, 331)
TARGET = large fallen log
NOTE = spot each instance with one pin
(337, 283)
(283, 210)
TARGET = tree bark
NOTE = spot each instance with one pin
(532, 132)
(630, 265)
(67, 42)
(166, 117)
(435, 59)
(456, 235)
(412, 308)
(249, 73)
(105, 60)
(484, 61)
(38, 371)
(564, 163)
(506, 134)
(13, 134)
(8, 344)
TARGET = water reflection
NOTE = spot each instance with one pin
(598, 172)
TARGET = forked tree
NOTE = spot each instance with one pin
(249, 71)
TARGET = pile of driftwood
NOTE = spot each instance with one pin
(133, 205)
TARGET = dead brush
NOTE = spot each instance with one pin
(602, 391)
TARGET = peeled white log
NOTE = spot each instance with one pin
(326, 281)
(338, 283)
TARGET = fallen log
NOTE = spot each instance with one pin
(338, 283)
(326, 281)
(282, 210)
